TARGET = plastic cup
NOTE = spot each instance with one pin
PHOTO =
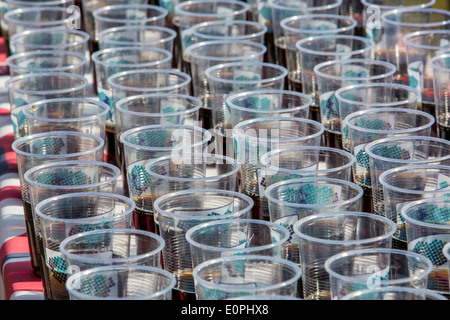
(354, 9)
(50, 39)
(142, 144)
(410, 183)
(323, 235)
(373, 124)
(282, 9)
(293, 199)
(118, 15)
(124, 282)
(337, 74)
(397, 151)
(108, 247)
(179, 211)
(441, 77)
(421, 46)
(146, 36)
(65, 215)
(66, 114)
(374, 268)
(372, 24)
(318, 49)
(253, 138)
(232, 277)
(446, 253)
(33, 87)
(309, 25)
(366, 96)
(46, 61)
(211, 53)
(254, 104)
(394, 293)
(427, 232)
(397, 23)
(225, 80)
(216, 239)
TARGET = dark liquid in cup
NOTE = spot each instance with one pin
(399, 244)
(367, 200)
(31, 232)
(280, 52)
(333, 139)
(145, 220)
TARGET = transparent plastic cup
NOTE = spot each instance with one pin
(66, 114)
(318, 49)
(215, 239)
(46, 61)
(294, 199)
(179, 211)
(108, 247)
(406, 184)
(125, 282)
(397, 23)
(33, 87)
(309, 25)
(394, 293)
(337, 74)
(366, 96)
(68, 214)
(373, 124)
(427, 232)
(397, 151)
(446, 253)
(146, 36)
(374, 268)
(323, 235)
(282, 9)
(253, 138)
(50, 39)
(441, 77)
(142, 144)
(228, 277)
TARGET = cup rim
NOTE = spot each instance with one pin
(259, 33)
(73, 278)
(156, 204)
(338, 93)
(265, 159)
(336, 182)
(198, 104)
(206, 136)
(238, 127)
(117, 196)
(116, 174)
(407, 39)
(317, 69)
(187, 79)
(14, 146)
(439, 57)
(102, 113)
(385, 17)
(383, 219)
(373, 144)
(392, 110)
(209, 72)
(335, 4)
(283, 231)
(96, 56)
(232, 287)
(85, 38)
(179, 8)
(419, 222)
(284, 23)
(429, 3)
(10, 81)
(162, 12)
(419, 167)
(83, 259)
(171, 34)
(189, 50)
(228, 160)
(40, 3)
(8, 16)
(10, 60)
(425, 293)
(355, 252)
(369, 45)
